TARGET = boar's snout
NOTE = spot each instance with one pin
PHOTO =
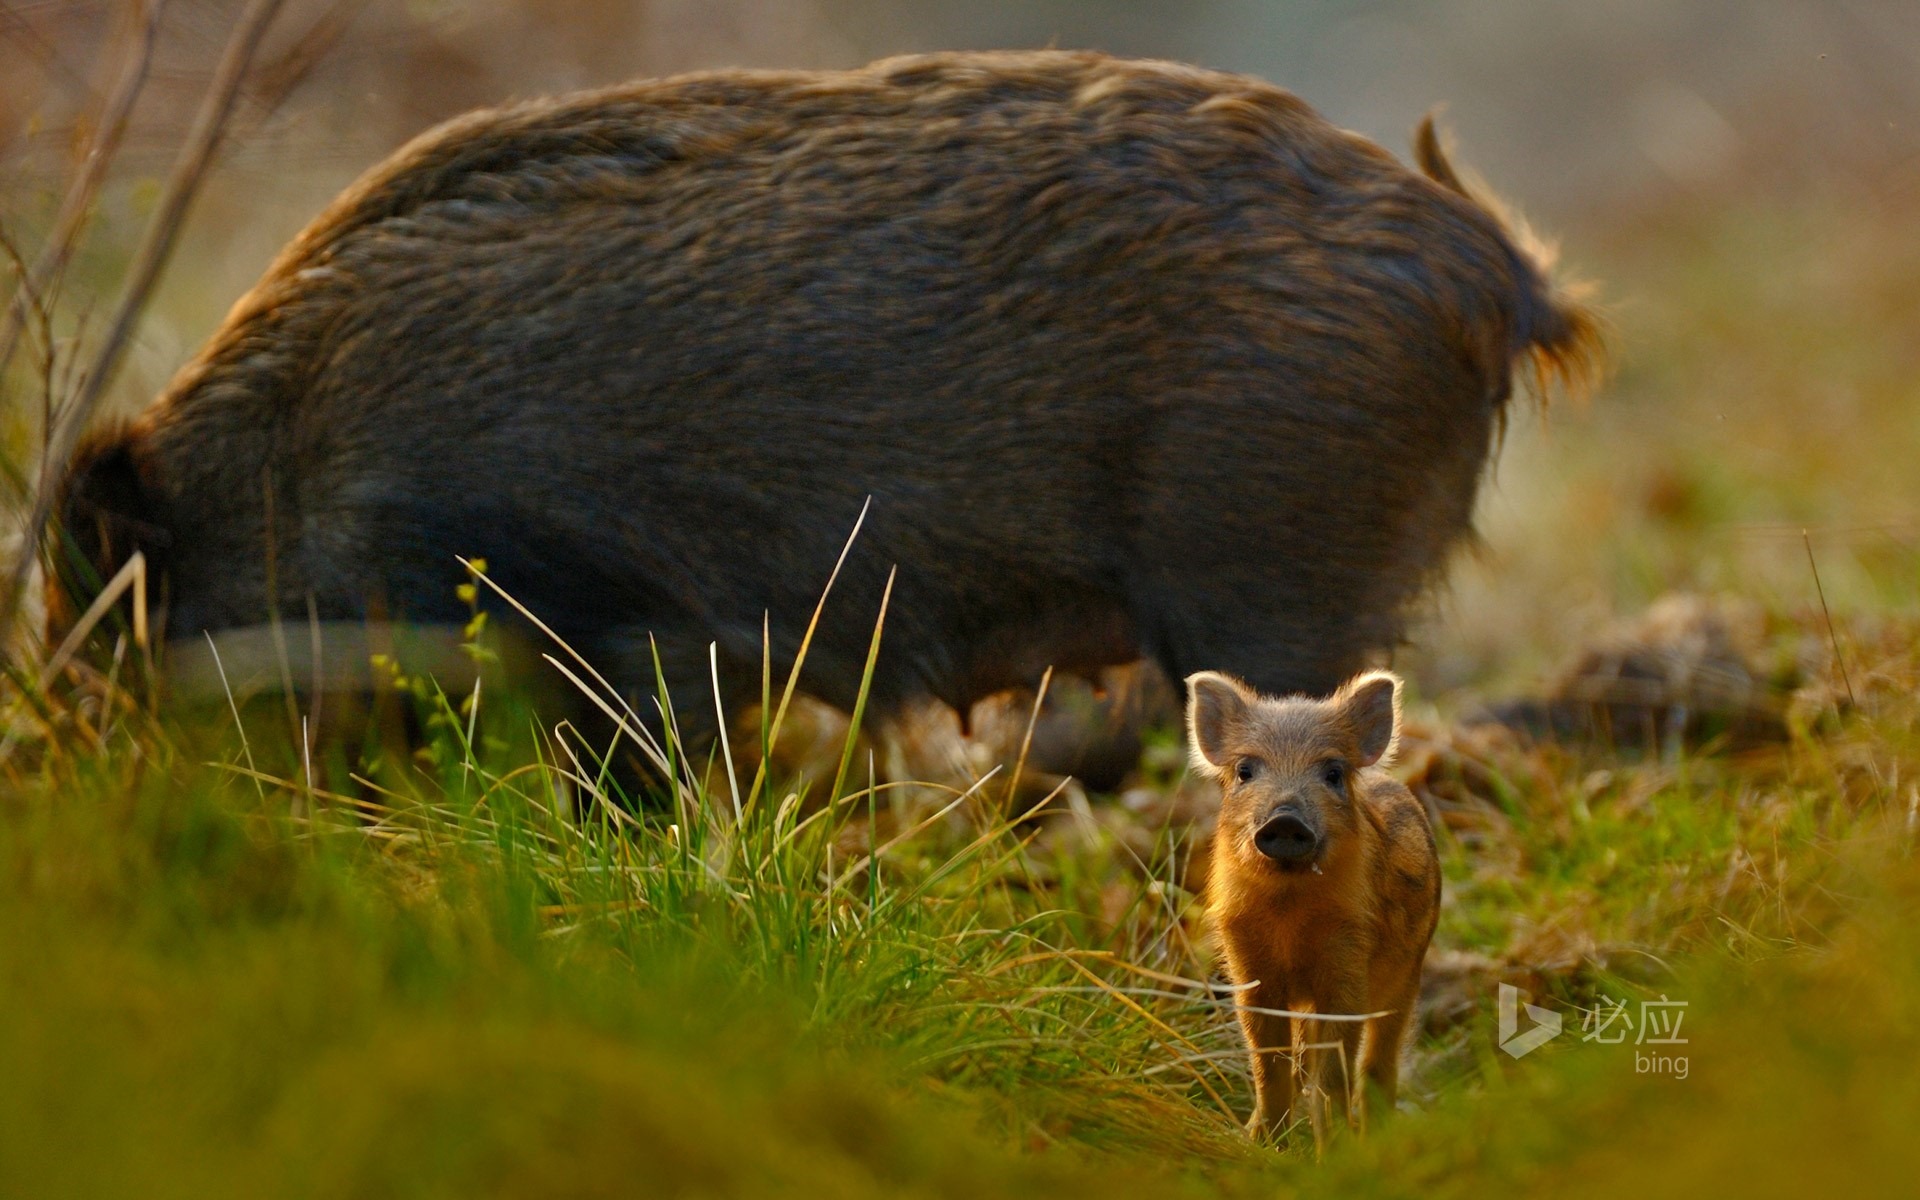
(1287, 838)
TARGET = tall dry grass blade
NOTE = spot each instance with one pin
(233, 706)
(131, 575)
(873, 858)
(306, 763)
(662, 758)
(149, 261)
(874, 855)
(806, 639)
(316, 668)
(601, 800)
(111, 694)
(826, 811)
(986, 837)
(1237, 1054)
(866, 686)
(873, 876)
(621, 724)
(1335, 1018)
(1026, 739)
(142, 636)
(1113, 960)
(638, 725)
(676, 743)
(720, 718)
(261, 777)
(473, 713)
(766, 704)
(682, 797)
(1173, 1035)
(1838, 660)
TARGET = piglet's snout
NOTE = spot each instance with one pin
(1287, 837)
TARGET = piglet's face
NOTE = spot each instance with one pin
(1287, 767)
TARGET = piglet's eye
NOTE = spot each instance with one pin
(1335, 773)
(1243, 771)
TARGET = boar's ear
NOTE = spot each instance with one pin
(1215, 702)
(1371, 705)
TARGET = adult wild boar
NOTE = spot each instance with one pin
(1130, 357)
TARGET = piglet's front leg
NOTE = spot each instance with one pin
(1269, 1043)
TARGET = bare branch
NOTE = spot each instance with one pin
(183, 184)
(77, 205)
(275, 81)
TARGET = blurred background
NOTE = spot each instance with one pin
(1741, 177)
(1579, 108)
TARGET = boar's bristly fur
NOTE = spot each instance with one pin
(1131, 358)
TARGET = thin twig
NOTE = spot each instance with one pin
(35, 304)
(276, 80)
(77, 205)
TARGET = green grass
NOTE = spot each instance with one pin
(469, 976)
(465, 988)
(490, 977)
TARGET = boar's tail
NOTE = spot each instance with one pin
(104, 511)
(1559, 338)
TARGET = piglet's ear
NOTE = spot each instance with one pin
(1215, 704)
(1371, 705)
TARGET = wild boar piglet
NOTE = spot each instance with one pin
(1323, 888)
